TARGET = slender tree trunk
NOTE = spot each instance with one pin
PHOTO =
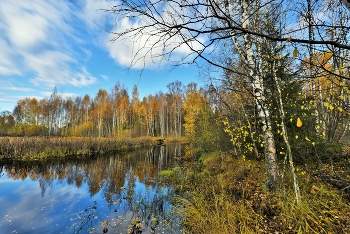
(285, 138)
(310, 21)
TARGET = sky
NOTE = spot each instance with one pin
(48, 43)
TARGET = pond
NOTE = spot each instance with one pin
(105, 194)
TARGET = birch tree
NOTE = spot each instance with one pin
(176, 100)
(101, 101)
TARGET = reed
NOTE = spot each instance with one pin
(45, 147)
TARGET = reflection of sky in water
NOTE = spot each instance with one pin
(59, 206)
(63, 207)
(24, 210)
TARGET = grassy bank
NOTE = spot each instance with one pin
(45, 147)
(222, 194)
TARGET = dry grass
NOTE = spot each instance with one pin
(44, 147)
(227, 195)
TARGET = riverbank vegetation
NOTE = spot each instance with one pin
(47, 147)
(225, 194)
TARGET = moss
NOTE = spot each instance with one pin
(208, 156)
(167, 174)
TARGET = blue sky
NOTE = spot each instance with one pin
(48, 43)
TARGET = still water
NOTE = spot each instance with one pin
(106, 194)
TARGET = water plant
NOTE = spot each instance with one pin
(44, 147)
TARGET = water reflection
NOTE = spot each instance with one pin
(104, 194)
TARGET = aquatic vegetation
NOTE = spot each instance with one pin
(45, 147)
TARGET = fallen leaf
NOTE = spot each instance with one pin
(314, 189)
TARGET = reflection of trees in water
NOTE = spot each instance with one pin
(162, 157)
(128, 182)
(105, 172)
(139, 213)
(136, 208)
(115, 179)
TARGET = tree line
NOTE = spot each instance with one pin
(109, 114)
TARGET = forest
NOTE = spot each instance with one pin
(277, 94)
(108, 114)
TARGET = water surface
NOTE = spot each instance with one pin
(104, 194)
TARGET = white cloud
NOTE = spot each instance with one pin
(94, 12)
(9, 61)
(13, 88)
(37, 39)
(142, 51)
(146, 49)
(7, 100)
(106, 78)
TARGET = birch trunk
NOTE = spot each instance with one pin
(310, 21)
(257, 82)
(286, 139)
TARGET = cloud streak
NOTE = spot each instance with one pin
(37, 43)
(149, 49)
(146, 50)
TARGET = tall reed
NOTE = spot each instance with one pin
(43, 147)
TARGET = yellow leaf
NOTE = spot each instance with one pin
(326, 104)
(306, 138)
(299, 123)
(340, 109)
(331, 107)
(289, 39)
(295, 52)
(341, 69)
(276, 57)
(327, 55)
(296, 137)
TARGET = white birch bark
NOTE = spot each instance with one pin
(272, 175)
(285, 137)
